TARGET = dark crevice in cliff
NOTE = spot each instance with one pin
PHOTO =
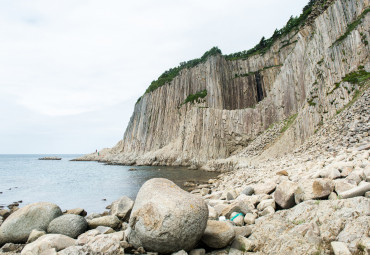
(258, 78)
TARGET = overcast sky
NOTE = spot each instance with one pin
(71, 71)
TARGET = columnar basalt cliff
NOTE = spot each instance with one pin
(298, 83)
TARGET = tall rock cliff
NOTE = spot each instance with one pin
(296, 84)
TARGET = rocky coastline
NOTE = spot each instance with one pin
(315, 200)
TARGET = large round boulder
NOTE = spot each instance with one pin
(17, 227)
(69, 224)
(165, 218)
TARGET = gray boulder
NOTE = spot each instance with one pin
(122, 208)
(218, 234)
(249, 191)
(165, 218)
(69, 224)
(18, 226)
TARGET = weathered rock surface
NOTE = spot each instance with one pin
(242, 244)
(77, 211)
(17, 227)
(46, 242)
(122, 208)
(34, 235)
(106, 221)
(69, 224)
(284, 194)
(218, 234)
(313, 189)
(311, 226)
(166, 218)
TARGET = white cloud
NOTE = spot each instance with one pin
(65, 58)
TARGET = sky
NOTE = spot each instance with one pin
(71, 71)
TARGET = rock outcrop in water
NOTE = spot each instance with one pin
(298, 84)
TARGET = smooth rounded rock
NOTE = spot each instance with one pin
(18, 226)
(165, 218)
(69, 224)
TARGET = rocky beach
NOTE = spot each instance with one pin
(286, 125)
(313, 201)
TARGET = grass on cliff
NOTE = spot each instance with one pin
(351, 27)
(192, 98)
(288, 122)
(361, 78)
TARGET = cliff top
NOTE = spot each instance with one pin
(313, 9)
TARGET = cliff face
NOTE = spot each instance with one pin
(298, 78)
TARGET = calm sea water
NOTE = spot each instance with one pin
(71, 184)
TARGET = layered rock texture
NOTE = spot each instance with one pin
(297, 85)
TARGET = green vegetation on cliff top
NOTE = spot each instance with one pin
(294, 23)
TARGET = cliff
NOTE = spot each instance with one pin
(267, 103)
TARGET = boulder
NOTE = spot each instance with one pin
(4, 213)
(249, 191)
(237, 219)
(74, 250)
(77, 211)
(360, 190)
(313, 189)
(242, 244)
(243, 231)
(340, 248)
(107, 221)
(250, 218)
(264, 188)
(104, 244)
(122, 208)
(197, 252)
(284, 194)
(182, 252)
(342, 185)
(87, 236)
(69, 224)
(18, 226)
(35, 234)
(212, 213)
(218, 234)
(11, 247)
(266, 203)
(105, 230)
(267, 211)
(165, 218)
(46, 242)
(239, 206)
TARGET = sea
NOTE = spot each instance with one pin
(76, 184)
